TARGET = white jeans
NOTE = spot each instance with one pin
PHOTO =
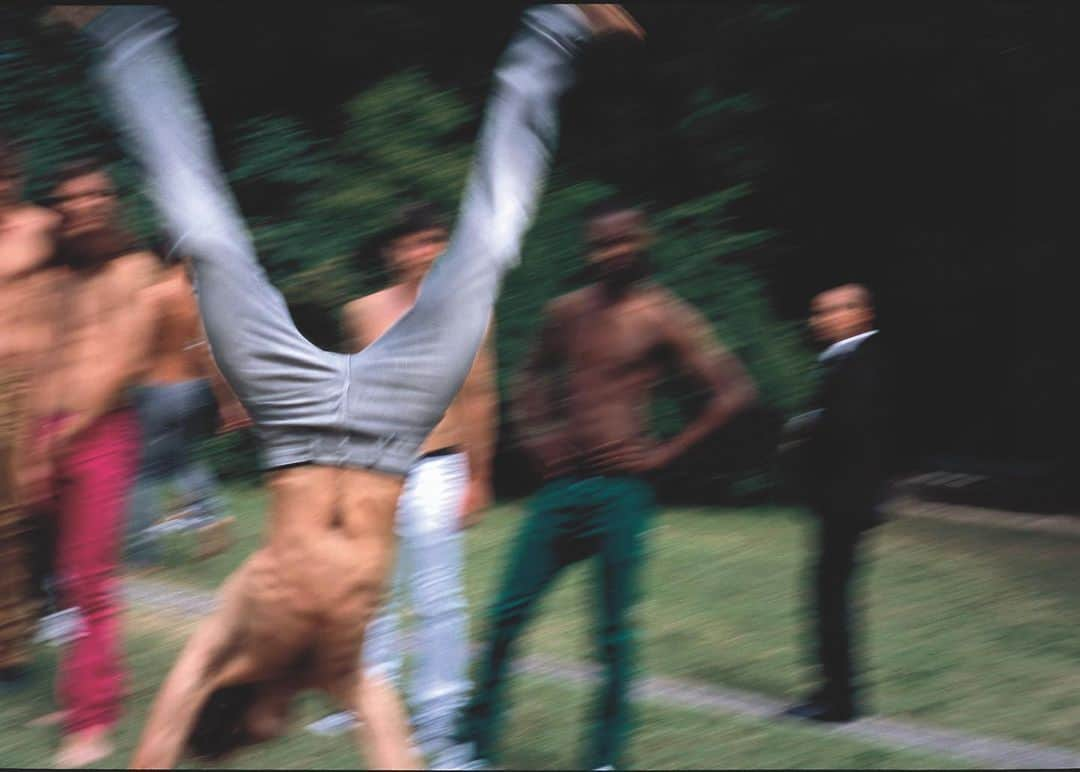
(429, 571)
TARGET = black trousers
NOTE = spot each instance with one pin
(833, 579)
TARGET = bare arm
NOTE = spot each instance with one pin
(231, 412)
(28, 236)
(479, 412)
(701, 355)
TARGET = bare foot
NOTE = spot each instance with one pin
(611, 19)
(49, 719)
(78, 16)
(84, 748)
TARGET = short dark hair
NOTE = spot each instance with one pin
(862, 291)
(221, 725)
(415, 217)
(614, 204)
(79, 168)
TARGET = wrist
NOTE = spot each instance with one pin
(665, 453)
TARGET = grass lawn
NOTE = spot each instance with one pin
(968, 627)
(668, 738)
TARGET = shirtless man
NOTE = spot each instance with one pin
(337, 432)
(27, 236)
(85, 445)
(178, 402)
(609, 341)
(446, 488)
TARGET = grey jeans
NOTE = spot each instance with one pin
(372, 409)
(172, 419)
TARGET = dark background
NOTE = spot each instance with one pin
(927, 149)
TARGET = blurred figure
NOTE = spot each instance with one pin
(445, 490)
(843, 468)
(27, 238)
(609, 342)
(85, 448)
(337, 432)
(178, 405)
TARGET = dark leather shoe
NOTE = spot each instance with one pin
(822, 711)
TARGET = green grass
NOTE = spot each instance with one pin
(967, 627)
(668, 738)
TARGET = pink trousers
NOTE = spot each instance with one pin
(88, 494)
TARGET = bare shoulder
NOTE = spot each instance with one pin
(365, 318)
(356, 311)
(27, 235)
(374, 302)
(664, 305)
(135, 270)
(32, 219)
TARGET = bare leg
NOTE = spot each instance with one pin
(190, 682)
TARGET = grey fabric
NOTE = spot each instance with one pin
(373, 409)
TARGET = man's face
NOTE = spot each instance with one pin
(411, 256)
(839, 314)
(87, 203)
(616, 242)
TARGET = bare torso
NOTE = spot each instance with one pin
(613, 357)
(91, 336)
(292, 617)
(175, 355)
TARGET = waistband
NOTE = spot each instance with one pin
(288, 446)
(449, 450)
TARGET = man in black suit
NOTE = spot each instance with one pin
(843, 466)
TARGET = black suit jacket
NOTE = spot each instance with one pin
(846, 457)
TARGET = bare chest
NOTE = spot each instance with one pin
(84, 309)
(384, 315)
(612, 346)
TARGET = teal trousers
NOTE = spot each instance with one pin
(571, 519)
